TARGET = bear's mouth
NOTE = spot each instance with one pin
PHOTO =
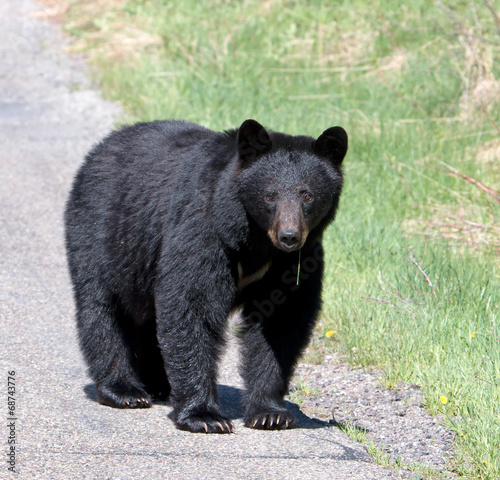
(287, 249)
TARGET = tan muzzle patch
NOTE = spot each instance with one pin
(288, 222)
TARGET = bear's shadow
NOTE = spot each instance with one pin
(230, 403)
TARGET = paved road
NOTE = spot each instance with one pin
(49, 116)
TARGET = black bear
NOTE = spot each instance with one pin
(170, 227)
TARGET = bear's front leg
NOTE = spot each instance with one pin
(193, 300)
(278, 319)
(266, 378)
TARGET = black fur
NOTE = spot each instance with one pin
(165, 226)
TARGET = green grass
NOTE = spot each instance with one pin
(301, 391)
(413, 257)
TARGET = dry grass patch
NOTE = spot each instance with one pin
(331, 49)
(471, 227)
(108, 33)
(489, 153)
(122, 42)
(353, 47)
(53, 10)
(392, 64)
(481, 90)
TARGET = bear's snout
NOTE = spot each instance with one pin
(289, 239)
(288, 230)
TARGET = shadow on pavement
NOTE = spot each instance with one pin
(230, 402)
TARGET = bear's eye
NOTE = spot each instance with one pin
(271, 197)
(307, 196)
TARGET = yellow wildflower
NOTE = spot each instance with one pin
(473, 334)
(330, 333)
(444, 399)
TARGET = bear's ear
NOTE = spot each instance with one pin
(332, 144)
(253, 140)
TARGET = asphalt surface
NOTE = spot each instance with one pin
(50, 115)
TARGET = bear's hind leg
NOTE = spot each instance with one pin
(104, 341)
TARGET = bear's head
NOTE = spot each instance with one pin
(290, 185)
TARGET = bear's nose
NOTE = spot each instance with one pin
(289, 238)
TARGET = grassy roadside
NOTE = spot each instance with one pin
(413, 279)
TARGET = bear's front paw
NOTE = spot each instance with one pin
(205, 423)
(271, 420)
(122, 396)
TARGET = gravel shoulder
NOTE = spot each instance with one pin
(393, 418)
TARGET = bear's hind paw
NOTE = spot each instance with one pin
(271, 420)
(205, 423)
(119, 396)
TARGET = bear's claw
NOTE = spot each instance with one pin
(273, 420)
(120, 396)
(205, 423)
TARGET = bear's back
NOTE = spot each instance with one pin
(135, 187)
